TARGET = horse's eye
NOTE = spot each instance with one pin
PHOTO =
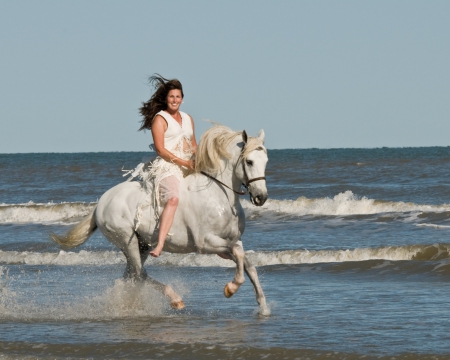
(249, 162)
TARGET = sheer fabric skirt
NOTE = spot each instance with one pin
(165, 178)
(169, 187)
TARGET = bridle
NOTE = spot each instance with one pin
(247, 182)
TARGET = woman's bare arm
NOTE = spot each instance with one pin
(193, 140)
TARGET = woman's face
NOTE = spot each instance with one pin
(174, 99)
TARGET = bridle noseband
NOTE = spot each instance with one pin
(247, 182)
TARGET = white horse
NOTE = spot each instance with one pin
(209, 218)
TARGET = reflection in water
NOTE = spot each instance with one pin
(184, 329)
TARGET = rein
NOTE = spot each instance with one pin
(245, 173)
(221, 183)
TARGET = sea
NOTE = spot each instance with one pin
(352, 248)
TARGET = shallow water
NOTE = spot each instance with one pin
(352, 252)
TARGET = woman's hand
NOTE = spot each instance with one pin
(190, 164)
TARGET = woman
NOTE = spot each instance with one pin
(174, 140)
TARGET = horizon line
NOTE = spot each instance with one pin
(278, 149)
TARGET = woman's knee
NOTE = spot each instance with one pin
(173, 201)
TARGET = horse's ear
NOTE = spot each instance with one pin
(244, 136)
(261, 135)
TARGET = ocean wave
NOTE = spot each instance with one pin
(67, 212)
(435, 226)
(260, 258)
(343, 204)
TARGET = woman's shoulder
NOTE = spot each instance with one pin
(186, 115)
(161, 121)
(162, 114)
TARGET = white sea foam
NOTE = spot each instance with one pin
(258, 258)
(345, 203)
(43, 213)
(435, 226)
(62, 258)
(331, 256)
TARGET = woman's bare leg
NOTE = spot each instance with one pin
(165, 224)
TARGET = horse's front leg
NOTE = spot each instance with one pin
(250, 270)
(238, 256)
(243, 264)
(216, 245)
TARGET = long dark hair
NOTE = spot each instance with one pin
(158, 100)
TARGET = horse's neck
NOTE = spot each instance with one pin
(228, 176)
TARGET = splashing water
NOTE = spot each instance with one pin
(123, 300)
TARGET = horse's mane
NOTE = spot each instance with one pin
(213, 147)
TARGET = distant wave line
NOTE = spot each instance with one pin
(435, 226)
(259, 258)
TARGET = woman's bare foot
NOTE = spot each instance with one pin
(156, 251)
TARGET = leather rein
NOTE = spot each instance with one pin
(247, 183)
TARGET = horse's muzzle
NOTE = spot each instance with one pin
(258, 200)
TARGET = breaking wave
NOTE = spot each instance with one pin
(44, 213)
(343, 204)
(434, 226)
(260, 258)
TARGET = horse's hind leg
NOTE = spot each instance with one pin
(175, 300)
(136, 253)
(238, 257)
(250, 270)
(144, 249)
(134, 269)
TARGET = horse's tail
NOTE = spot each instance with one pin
(77, 235)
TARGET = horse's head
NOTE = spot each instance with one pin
(252, 172)
(223, 152)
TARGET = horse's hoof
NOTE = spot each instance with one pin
(177, 305)
(264, 311)
(227, 291)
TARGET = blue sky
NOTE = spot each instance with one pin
(324, 74)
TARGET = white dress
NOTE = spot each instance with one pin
(163, 176)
